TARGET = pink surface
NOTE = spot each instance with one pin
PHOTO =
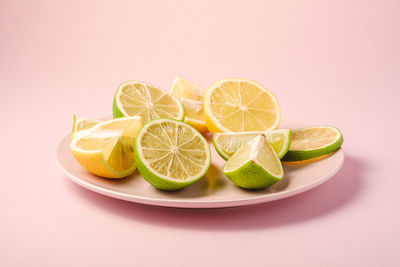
(331, 63)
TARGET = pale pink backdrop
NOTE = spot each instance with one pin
(329, 62)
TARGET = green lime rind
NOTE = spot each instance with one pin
(299, 155)
(161, 182)
(258, 177)
(219, 151)
(74, 125)
(157, 181)
(283, 152)
(117, 113)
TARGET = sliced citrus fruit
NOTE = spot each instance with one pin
(171, 154)
(107, 149)
(194, 114)
(240, 105)
(191, 96)
(313, 142)
(148, 101)
(184, 88)
(81, 123)
(226, 144)
(255, 165)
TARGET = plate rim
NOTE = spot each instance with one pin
(194, 204)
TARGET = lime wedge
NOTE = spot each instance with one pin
(255, 165)
(226, 144)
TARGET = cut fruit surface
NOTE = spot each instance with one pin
(191, 96)
(226, 144)
(313, 142)
(134, 98)
(240, 105)
(183, 88)
(171, 154)
(81, 123)
(255, 165)
(107, 149)
(194, 114)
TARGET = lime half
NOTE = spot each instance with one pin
(171, 154)
(255, 165)
(226, 144)
(134, 98)
(313, 142)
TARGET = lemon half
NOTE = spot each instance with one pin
(240, 105)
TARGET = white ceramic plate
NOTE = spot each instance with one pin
(223, 194)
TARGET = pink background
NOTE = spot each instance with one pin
(329, 62)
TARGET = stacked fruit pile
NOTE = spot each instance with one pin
(160, 133)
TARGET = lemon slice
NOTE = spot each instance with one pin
(171, 154)
(107, 149)
(183, 88)
(226, 144)
(194, 114)
(81, 123)
(191, 96)
(148, 101)
(240, 105)
(255, 165)
(313, 142)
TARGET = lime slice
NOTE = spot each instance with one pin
(81, 123)
(107, 149)
(313, 142)
(148, 101)
(226, 144)
(171, 154)
(255, 165)
(240, 105)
